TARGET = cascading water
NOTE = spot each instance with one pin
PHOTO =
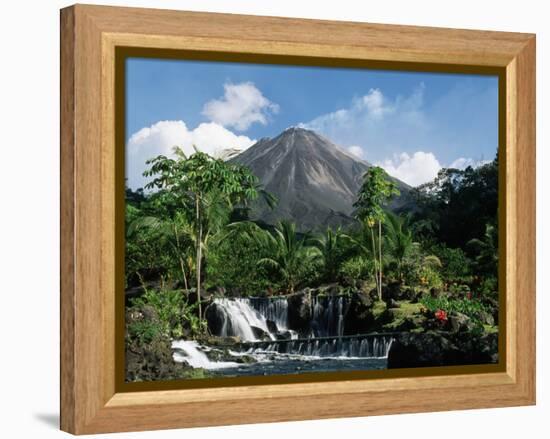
(268, 344)
(328, 316)
(377, 346)
(274, 309)
(241, 315)
(189, 351)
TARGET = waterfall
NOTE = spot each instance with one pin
(328, 316)
(377, 346)
(275, 309)
(240, 318)
(188, 351)
(251, 318)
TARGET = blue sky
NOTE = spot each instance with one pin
(410, 123)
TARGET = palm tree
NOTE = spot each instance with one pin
(487, 250)
(402, 248)
(290, 254)
(399, 240)
(332, 247)
(376, 191)
(177, 233)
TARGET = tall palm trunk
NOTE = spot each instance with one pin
(380, 256)
(182, 264)
(199, 255)
(378, 291)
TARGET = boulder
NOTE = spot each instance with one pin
(393, 304)
(299, 310)
(285, 335)
(149, 358)
(460, 322)
(271, 326)
(333, 289)
(359, 316)
(391, 291)
(259, 333)
(486, 318)
(436, 348)
(215, 318)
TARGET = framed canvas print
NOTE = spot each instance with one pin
(269, 219)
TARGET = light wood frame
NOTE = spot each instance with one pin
(90, 35)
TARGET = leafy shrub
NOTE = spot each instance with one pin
(357, 268)
(174, 313)
(456, 266)
(488, 287)
(144, 331)
(471, 307)
(245, 277)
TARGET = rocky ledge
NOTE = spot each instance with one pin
(441, 348)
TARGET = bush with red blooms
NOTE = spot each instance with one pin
(441, 315)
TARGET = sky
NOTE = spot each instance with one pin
(410, 123)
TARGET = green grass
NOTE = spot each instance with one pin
(378, 308)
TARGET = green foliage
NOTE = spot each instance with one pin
(471, 307)
(144, 331)
(357, 267)
(334, 247)
(377, 189)
(175, 316)
(456, 266)
(290, 257)
(488, 287)
(427, 276)
(202, 190)
(456, 206)
(399, 241)
(486, 251)
(245, 277)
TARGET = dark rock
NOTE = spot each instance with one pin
(407, 324)
(391, 291)
(460, 322)
(149, 313)
(415, 296)
(299, 310)
(149, 358)
(393, 304)
(259, 333)
(284, 335)
(409, 294)
(215, 318)
(486, 318)
(333, 289)
(271, 326)
(359, 316)
(373, 294)
(436, 348)
(230, 341)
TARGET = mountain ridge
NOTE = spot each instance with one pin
(315, 181)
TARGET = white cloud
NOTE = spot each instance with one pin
(161, 138)
(241, 106)
(422, 167)
(356, 150)
(463, 163)
(374, 120)
(414, 169)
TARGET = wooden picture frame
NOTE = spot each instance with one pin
(92, 401)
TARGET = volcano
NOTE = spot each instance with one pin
(315, 181)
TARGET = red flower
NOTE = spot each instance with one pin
(441, 315)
